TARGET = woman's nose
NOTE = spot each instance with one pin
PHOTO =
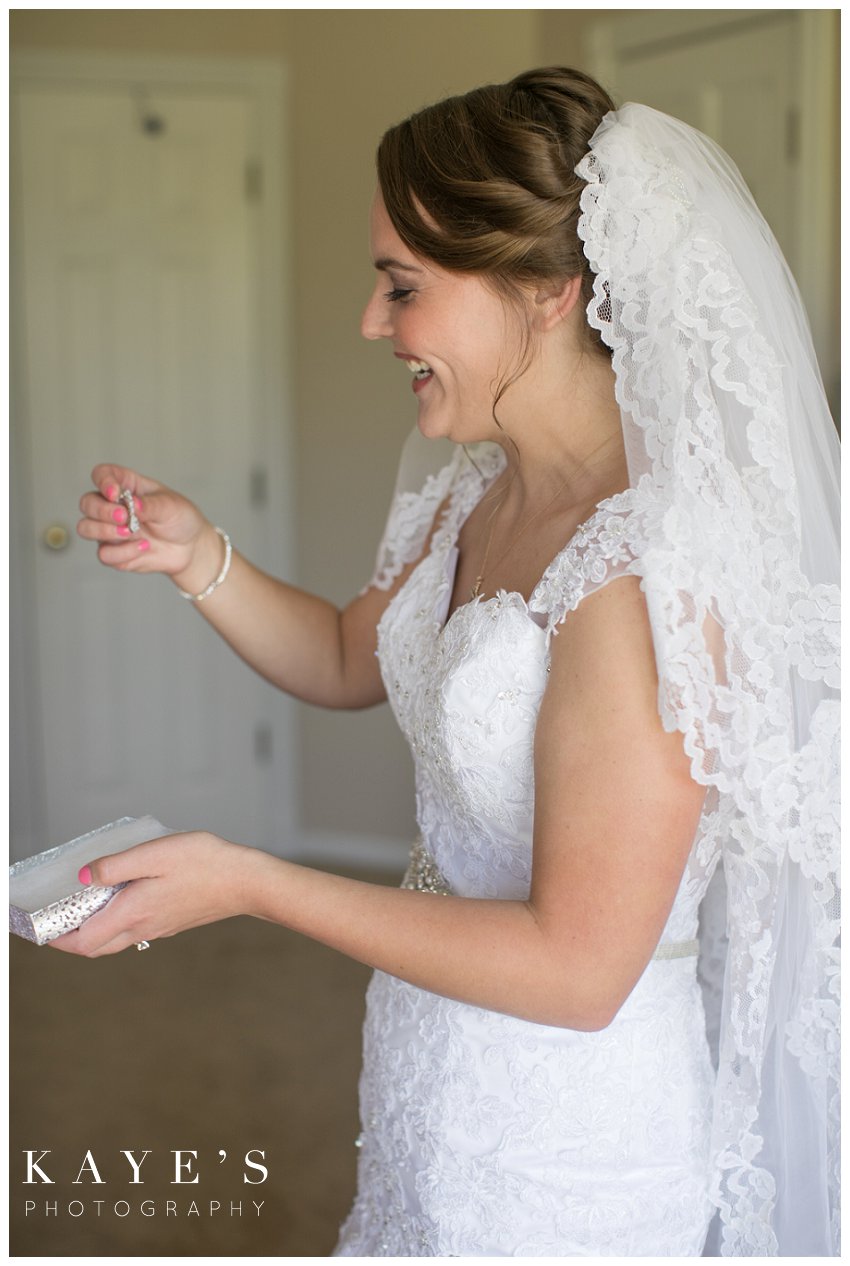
(375, 322)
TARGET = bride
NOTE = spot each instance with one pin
(602, 1019)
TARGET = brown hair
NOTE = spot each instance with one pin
(485, 183)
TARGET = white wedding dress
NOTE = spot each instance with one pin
(485, 1135)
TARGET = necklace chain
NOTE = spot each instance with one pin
(476, 588)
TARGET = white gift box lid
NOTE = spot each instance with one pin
(45, 896)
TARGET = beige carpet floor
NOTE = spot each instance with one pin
(235, 1038)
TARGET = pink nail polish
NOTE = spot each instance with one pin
(143, 545)
(84, 875)
(139, 505)
(124, 531)
(111, 493)
(119, 515)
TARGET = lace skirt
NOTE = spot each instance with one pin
(484, 1135)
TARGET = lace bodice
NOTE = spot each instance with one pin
(466, 691)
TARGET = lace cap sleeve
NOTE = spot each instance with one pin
(600, 551)
(426, 472)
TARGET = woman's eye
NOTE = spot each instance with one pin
(397, 296)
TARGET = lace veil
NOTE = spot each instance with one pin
(733, 460)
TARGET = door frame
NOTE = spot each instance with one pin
(609, 41)
(271, 441)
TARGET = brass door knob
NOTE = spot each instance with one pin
(56, 537)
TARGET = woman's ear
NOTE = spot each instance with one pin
(555, 301)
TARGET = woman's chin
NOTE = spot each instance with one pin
(434, 426)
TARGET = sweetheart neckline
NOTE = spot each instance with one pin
(453, 554)
(444, 541)
(502, 598)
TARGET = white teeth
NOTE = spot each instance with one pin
(419, 368)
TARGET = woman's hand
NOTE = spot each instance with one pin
(173, 536)
(174, 883)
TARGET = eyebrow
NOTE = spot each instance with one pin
(383, 265)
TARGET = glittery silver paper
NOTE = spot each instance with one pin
(45, 896)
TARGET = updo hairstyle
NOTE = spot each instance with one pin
(485, 183)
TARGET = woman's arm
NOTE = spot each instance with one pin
(615, 817)
(299, 642)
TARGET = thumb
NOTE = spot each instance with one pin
(160, 508)
(137, 862)
(169, 516)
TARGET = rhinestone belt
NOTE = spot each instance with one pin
(424, 875)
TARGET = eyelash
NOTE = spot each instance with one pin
(398, 296)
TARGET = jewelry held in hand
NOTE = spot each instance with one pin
(143, 945)
(130, 502)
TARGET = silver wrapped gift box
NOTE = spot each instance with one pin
(46, 897)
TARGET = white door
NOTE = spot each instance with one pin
(138, 340)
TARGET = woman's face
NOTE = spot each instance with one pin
(453, 332)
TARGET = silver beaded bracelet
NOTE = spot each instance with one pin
(228, 555)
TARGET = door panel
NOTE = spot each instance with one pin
(139, 275)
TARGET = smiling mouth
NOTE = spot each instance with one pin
(419, 369)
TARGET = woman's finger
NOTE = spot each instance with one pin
(114, 526)
(132, 555)
(75, 943)
(142, 861)
(85, 944)
(110, 929)
(95, 506)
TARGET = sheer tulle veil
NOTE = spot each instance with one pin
(733, 460)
